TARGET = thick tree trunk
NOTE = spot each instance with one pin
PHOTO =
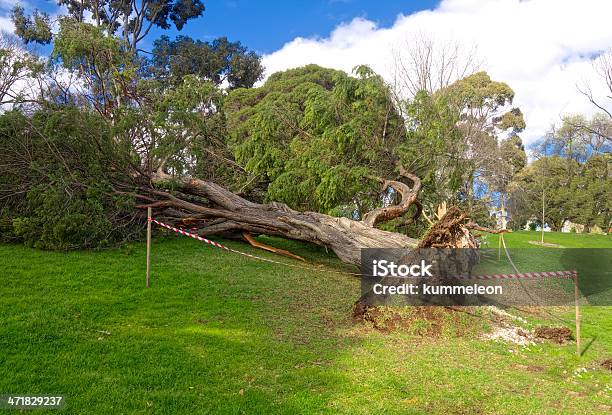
(216, 211)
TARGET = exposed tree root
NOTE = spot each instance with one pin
(449, 232)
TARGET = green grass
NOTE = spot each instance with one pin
(221, 333)
(590, 255)
(567, 240)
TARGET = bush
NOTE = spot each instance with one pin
(57, 185)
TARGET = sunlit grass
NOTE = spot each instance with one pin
(521, 239)
(221, 333)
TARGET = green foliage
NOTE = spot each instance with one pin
(128, 20)
(579, 192)
(86, 47)
(57, 181)
(592, 201)
(35, 28)
(434, 147)
(16, 67)
(316, 135)
(578, 138)
(108, 72)
(81, 221)
(185, 129)
(480, 99)
(217, 61)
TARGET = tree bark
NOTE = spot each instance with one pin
(215, 210)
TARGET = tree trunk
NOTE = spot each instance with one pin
(216, 211)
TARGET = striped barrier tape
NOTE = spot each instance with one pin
(218, 245)
(182, 232)
(546, 274)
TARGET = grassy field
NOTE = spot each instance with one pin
(581, 252)
(566, 240)
(221, 333)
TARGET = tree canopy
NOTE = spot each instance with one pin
(318, 137)
(219, 61)
(129, 20)
(579, 192)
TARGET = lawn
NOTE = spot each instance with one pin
(590, 255)
(222, 333)
(566, 240)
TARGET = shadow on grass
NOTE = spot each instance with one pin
(588, 346)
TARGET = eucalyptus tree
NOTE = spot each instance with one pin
(18, 71)
(485, 115)
(129, 20)
(224, 63)
(455, 140)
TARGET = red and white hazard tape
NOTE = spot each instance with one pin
(547, 274)
(218, 245)
(182, 232)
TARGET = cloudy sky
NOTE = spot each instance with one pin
(542, 48)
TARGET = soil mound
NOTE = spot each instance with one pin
(559, 335)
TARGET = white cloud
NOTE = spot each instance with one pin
(6, 25)
(541, 48)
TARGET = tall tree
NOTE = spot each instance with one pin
(18, 70)
(131, 20)
(485, 114)
(220, 61)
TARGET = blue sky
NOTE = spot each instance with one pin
(543, 49)
(266, 25)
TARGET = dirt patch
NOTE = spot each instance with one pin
(607, 364)
(510, 333)
(559, 335)
(360, 309)
(420, 321)
(549, 245)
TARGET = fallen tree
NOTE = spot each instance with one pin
(214, 210)
(67, 185)
(73, 175)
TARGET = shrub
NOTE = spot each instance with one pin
(56, 189)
